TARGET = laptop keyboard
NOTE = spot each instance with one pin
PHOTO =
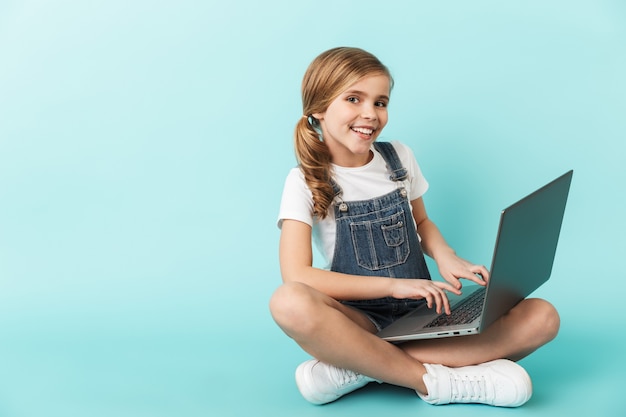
(464, 313)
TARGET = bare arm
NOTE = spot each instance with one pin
(296, 259)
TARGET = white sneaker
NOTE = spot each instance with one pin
(501, 383)
(320, 383)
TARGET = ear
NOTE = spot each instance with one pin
(319, 116)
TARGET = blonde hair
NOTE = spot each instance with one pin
(331, 73)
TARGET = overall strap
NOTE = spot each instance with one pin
(389, 154)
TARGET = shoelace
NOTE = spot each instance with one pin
(468, 388)
(344, 376)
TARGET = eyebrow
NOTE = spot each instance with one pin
(362, 93)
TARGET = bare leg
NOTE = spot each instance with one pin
(313, 319)
(528, 326)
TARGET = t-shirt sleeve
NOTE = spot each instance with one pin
(418, 183)
(297, 201)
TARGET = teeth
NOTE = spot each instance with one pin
(363, 130)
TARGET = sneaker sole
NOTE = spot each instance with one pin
(526, 387)
(305, 385)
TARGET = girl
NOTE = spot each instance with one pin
(361, 202)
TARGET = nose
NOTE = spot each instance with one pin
(368, 111)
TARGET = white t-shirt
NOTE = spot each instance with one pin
(360, 183)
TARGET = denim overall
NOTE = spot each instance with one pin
(377, 237)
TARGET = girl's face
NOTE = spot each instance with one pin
(354, 120)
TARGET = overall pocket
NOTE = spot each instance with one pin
(381, 243)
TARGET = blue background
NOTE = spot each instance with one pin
(143, 149)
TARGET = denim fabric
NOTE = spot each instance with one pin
(377, 237)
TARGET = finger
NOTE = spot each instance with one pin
(475, 278)
(433, 298)
(437, 297)
(429, 299)
(445, 301)
(447, 287)
(453, 281)
(441, 300)
(432, 294)
(483, 272)
(475, 274)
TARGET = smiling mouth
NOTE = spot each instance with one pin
(363, 130)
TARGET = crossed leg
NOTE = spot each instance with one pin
(342, 336)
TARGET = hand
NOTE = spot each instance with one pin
(452, 268)
(432, 291)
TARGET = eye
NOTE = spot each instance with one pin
(381, 104)
(353, 99)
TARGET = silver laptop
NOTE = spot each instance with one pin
(522, 261)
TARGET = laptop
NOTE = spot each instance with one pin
(522, 261)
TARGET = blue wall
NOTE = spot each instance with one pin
(143, 147)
